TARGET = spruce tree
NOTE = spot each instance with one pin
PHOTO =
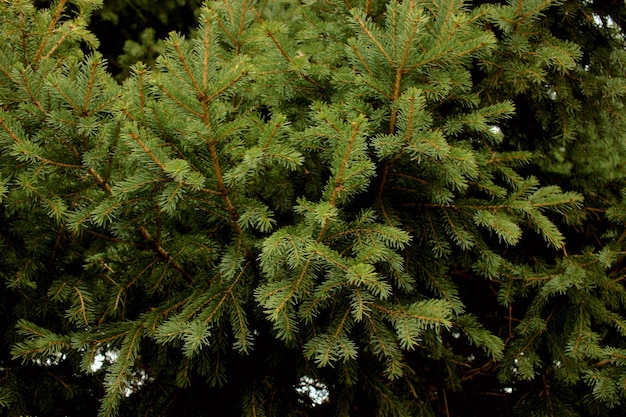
(319, 208)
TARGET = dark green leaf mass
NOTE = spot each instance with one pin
(311, 208)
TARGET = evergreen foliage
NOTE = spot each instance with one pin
(415, 207)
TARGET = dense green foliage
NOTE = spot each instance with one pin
(417, 207)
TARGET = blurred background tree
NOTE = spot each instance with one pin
(133, 30)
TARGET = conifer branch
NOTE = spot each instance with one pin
(65, 96)
(183, 60)
(132, 282)
(101, 182)
(375, 41)
(31, 94)
(225, 87)
(53, 22)
(529, 13)
(141, 74)
(177, 101)
(56, 45)
(229, 35)
(402, 313)
(288, 58)
(359, 55)
(144, 232)
(10, 131)
(278, 45)
(443, 54)
(221, 297)
(396, 94)
(240, 27)
(24, 35)
(92, 76)
(58, 164)
(137, 138)
(83, 308)
(206, 41)
(57, 244)
(339, 178)
(7, 73)
(242, 18)
(519, 7)
(234, 216)
(125, 361)
(295, 287)
(164, 254)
